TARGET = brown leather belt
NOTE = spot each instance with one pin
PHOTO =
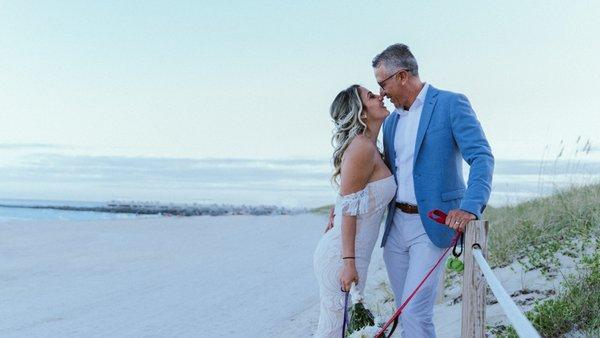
(407, 208)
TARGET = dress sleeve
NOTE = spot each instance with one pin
(355, 204)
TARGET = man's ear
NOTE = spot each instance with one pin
(403, 77)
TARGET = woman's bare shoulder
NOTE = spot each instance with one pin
(360, 150)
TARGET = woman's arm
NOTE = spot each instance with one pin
(357, 167)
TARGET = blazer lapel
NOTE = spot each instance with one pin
(429, 103)
(391, 136)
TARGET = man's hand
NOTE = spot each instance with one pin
(330, 224)
(457, 219)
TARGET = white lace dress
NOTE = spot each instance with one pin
(368, 205)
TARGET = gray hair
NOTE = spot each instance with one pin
(395, 57)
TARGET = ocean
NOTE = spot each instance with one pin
(63, 179)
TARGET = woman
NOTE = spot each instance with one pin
(366, 187)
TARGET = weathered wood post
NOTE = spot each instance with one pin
(474, 285)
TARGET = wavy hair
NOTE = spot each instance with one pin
(346, 111)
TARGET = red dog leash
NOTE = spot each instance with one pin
(440, 217)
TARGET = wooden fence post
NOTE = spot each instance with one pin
(474, 285)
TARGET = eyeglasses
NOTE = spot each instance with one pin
(381, 84)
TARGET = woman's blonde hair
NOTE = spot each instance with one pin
(346, 112)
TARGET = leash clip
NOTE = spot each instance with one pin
(462, 246)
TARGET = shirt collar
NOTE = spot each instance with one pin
(419, 100)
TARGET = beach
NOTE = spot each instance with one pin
(167, 169)
(227, 276)
(201, 276)
(204, 276)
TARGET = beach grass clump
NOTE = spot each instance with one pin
(322, 210)
(576, 309)
(566, 222)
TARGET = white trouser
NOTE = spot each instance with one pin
(409, 254)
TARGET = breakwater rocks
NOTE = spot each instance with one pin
(156, 208)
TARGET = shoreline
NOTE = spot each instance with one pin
(187, 210)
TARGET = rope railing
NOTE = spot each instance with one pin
(477, 275)
(512, 311)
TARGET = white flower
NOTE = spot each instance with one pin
(365, 332)
(355, 294)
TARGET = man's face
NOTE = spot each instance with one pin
(392, 85)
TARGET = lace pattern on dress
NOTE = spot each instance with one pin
(370, 203)
(355, 204)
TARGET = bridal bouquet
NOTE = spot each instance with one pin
(361, 322)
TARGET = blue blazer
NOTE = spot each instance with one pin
(448, 132)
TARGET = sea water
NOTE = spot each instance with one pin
(74, 180)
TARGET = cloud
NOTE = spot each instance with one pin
(11, 146)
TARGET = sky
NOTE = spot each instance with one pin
(254, 79)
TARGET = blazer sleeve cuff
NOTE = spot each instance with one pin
(472, 208)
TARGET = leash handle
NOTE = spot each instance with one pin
(345, 313)
(438, 216)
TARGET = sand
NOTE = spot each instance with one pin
(225, 276)
(229, 276)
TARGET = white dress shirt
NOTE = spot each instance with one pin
(404, 144)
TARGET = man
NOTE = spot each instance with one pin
(425, 140)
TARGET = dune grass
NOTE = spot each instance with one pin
(563, 222)
(566, 222)
(575, 309)
(322, 210)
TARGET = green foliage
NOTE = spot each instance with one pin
(359, 317)
(564, 222)
(576, 308)
(322, 210)
(533, 232)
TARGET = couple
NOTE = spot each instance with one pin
(425, 140)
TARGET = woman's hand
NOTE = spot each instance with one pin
(348, 274)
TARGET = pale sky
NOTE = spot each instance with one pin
(255, 79)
